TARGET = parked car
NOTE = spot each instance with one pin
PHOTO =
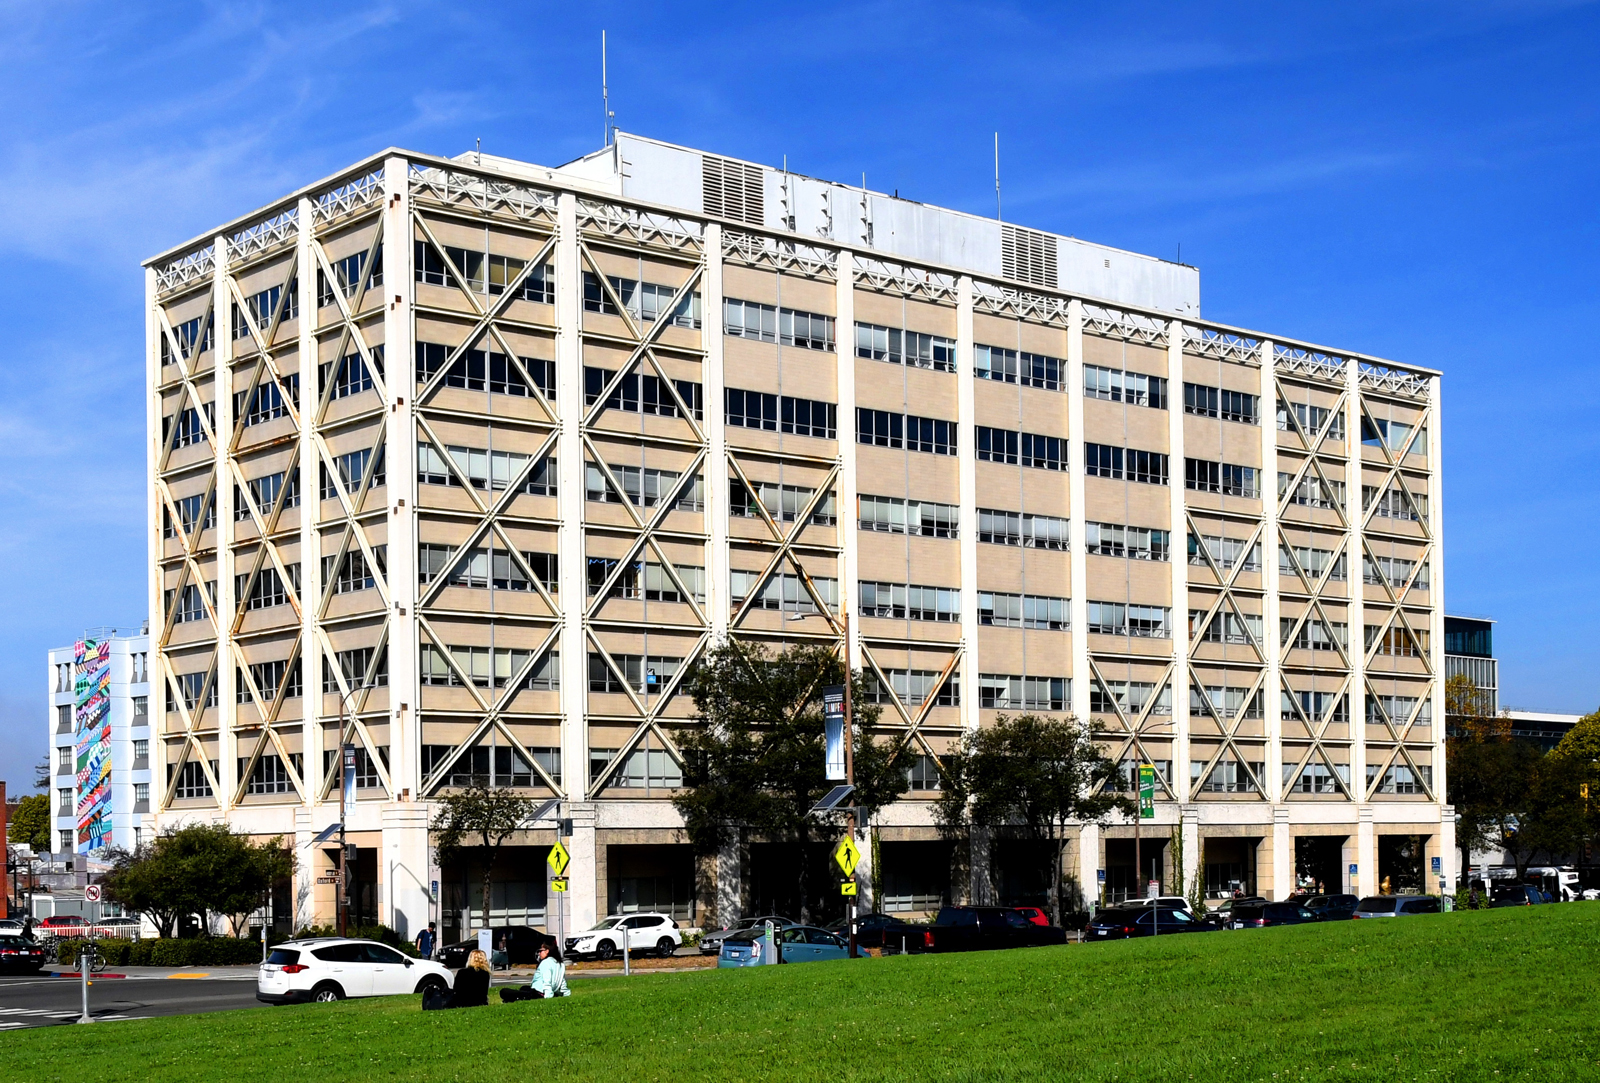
(19, 955)
(645, 933)
(1329, 907)
(1221, 916)
(12, 927)
(62, 922)
(1390, 906)
(1263, 914)
(971, 928)
(711, 943)
(1140, 919)
(333, 968)
(796, 944)
(869, 929)
(1517, 895)
(1033, 914)
(521, 947)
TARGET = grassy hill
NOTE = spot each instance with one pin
(1499, 995)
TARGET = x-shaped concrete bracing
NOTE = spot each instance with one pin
(1132, 731)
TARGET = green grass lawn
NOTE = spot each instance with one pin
(1488, 996)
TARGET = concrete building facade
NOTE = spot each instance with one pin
(463, 462)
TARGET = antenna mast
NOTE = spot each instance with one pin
(605, 90)
(997, 176)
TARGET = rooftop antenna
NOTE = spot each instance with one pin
(478, 153)
(997, 176)
(605, 89)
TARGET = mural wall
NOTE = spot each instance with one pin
(92, 668)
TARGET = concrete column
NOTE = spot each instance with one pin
(227, 711)
(1271, 604)
(1435, 449)
(1356, 511)
(310, 540)
(1089, 858)
(569, 468)
(1078, 569)
(1366, 849)
(1350, 854)
(1193, 851)
(584, 890)
(408, 905)
(154, 545)
(729, 883)
(1179, 563)
(1282, 854)
(718, 606)
(967, 467)
(400, 453)
(1448, 857)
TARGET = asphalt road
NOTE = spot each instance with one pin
(37, 1001)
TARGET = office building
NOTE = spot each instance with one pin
(463, 463)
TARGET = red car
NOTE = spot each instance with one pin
(61, 920)
(1033, 914)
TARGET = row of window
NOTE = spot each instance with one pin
(642, 393)
(485, 370)
(491, 471)
(484, 272)
(782, 413)
(488, 667)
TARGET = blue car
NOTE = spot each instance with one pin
(798, 943)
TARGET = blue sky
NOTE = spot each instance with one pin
(1412, 180)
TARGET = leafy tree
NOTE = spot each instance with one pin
(199, 868)
(1033, 774)
(30, 823)
(1582, 742)
(755, 759)
(1549, 818)
(1487, 772)
(41, 774)
(480, 818)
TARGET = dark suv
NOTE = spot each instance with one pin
(1259, 915)
(1330, 907)
(1126, 922)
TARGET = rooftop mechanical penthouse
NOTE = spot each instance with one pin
(465, 461)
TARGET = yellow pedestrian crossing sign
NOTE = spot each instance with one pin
(847, 855)
(558, 883)
(847, 888)
(558, 858)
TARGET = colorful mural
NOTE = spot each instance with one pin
(92, 669)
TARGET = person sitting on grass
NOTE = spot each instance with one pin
(472, 983)
(549, 980)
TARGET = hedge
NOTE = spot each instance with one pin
(200, 951)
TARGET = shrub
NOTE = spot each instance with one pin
(114, 950)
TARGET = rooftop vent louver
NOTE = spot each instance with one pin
(732, 189)
(1026, 255)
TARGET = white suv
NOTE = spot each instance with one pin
(645, 932)
(332, 968)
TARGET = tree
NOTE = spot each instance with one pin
(41, 774)
(754, 759)
(1487, 772)
(1033, 774)
(30, 823)
(1549, 818)
(203, 869)
(481, 818)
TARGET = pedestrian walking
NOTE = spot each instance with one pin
(425, 940)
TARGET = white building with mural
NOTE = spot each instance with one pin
(99, 725)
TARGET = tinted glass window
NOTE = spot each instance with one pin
(793, 935)
(1423, 906)
(339, 953)
(1376, 904)
(952, 916)
(819, 936)
(283, 957)
(377, 953)
(1016, 920)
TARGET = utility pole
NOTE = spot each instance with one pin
(850, 765)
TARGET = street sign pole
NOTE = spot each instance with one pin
(849, 764)
(85, 959)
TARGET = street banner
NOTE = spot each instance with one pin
(833, 731)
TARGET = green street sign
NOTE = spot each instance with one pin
(1147, 791)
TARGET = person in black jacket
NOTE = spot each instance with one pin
(471, 986)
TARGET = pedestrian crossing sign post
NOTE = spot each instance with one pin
(847, 888)
(558, 883)
(558, 859)
(847, 855)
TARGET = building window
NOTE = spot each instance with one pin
(1227, 701)
(1312, 491)
(645, 675)
(187, 334)
(268, 401)
(1024, 611)
(64, 841)
(643, 768)
(1314, 562)
(265, 491)
(352, 468)
(187, 429)
(784, 592)
(191, 684)
(64, 718)
(495, 765)
(922, 774)
(898, 601)
(1005, 692)
(487, 667)
(1311, 419)
(141, 749)
(267, 589)
(645, 487)
(64, 801)
(347, 276)
(782, 413)
(765, 323)
(1222, 403)
(353, 666)
(192, 781)
(1393, 503)
(646, 302)
(262, 306)
(883, 429)
(141, 796)
(269, 776)
(1023, 529)
(1381, 432)
(911, 348)
(1314, 635)
(191, 510)
(997, 445)
(1313, 706)
(189, 604)
(1133, 542)
(1397, 641)
(355, 571)
(914, 687)
(1225, 553)
(267, 676)
(638, 393)
(1105, 461)
(1134, 388)
(1228, 776)
(489, 470)
(485, 370)
(485, 568)
(1225, 626)
(1395, 571)
(1130, 697)
(1225, 478)
(1401, 779)
(783, 503)
(1119, 619)
(350, 374)
(891, 515)
(1018, 367)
